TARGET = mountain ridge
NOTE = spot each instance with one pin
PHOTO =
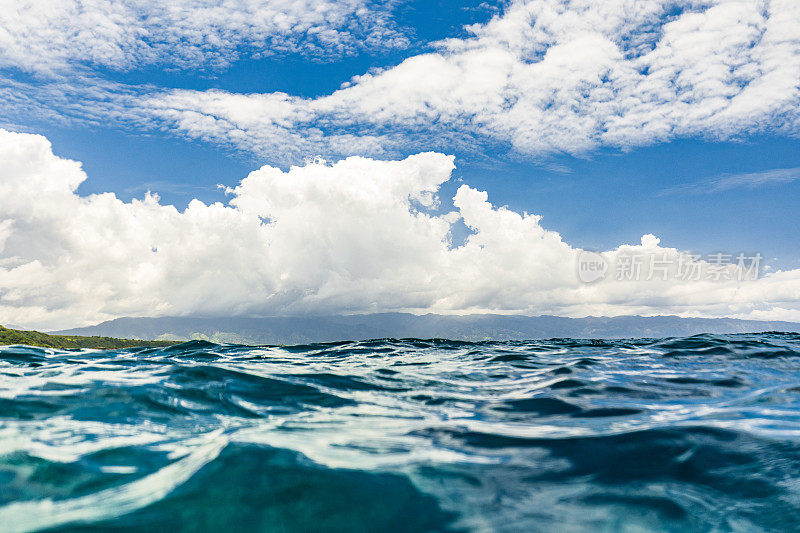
(475, 327)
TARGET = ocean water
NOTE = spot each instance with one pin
(683, 434)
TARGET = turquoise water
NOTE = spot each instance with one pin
(693, 434)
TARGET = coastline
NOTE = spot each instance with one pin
(45, 340)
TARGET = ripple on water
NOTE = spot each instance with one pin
(698, 433)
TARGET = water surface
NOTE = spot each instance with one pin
(692, 434)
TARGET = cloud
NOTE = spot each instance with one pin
(749, 180)
(52, 38)
(542, 77)
(360, 235)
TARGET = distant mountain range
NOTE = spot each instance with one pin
(298, 330)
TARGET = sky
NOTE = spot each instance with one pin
(291, 157)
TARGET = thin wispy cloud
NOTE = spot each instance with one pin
(755, 179)
(162, 186)
(748, 180)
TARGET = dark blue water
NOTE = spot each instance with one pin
(693, 434)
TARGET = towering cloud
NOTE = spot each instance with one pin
(356, 236)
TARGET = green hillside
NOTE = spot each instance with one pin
(35, 338)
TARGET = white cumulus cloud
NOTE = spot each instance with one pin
(360, 235)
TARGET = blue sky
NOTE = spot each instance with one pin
(608, 122)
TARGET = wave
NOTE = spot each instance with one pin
(681, 434)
